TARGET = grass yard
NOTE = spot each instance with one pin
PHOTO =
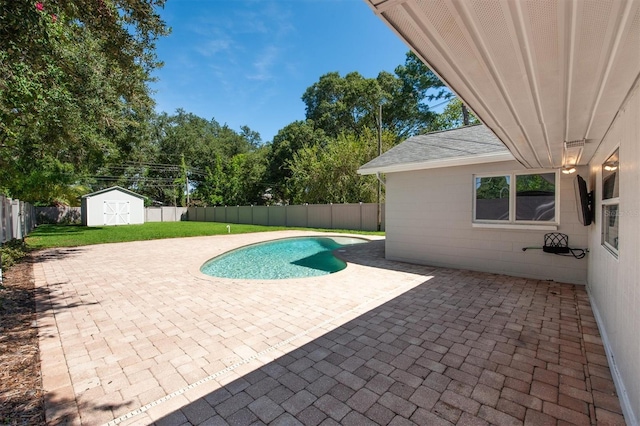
(48, 236)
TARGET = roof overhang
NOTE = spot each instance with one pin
(538, 73)
(444, 162)
(114, 188)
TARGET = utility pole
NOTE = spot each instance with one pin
(379, 221)
(185, 173)
(187, 186)
(465, 115)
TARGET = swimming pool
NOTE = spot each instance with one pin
(279, 259)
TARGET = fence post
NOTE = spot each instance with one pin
(23, 223)
(331, 214)
(15, 218)
(2, 219)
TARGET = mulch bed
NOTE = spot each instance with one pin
(21, 396)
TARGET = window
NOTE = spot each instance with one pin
(611, 202)
(492, 198)
(516, 198)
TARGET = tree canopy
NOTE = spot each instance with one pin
(73, 88)
(77, 115)
(350, 104)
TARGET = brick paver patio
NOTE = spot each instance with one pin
(132, 333)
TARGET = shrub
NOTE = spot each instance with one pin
(12, 252)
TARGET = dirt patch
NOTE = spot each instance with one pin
(21, 396)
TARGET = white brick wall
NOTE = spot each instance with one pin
(614, 283)
(429, 221)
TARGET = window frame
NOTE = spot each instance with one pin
(512, 222)
(608, 202)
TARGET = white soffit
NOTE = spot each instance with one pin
(536, 72)
(439, 163)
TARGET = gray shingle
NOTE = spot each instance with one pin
(462, 142)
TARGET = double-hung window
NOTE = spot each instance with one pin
(611, 202)
(519, 198)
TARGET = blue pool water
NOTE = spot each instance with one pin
(279, 259)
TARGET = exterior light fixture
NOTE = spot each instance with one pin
(571, 154)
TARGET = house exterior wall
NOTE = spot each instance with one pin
(93, 209)
(614, 283)
(429, 221)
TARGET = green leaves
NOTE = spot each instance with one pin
(451, 117)
(73, 88)
(329, 174)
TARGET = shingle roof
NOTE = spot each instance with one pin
(119, 188)
(467, 145)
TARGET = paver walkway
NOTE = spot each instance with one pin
(132, 333)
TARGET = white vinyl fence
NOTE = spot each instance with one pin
(17, 219)
(165, 214)
(58, 214)
(361, 216)
(68, 215)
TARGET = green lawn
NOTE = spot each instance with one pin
(47, 236)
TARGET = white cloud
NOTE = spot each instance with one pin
(264, 63)
(212, 47)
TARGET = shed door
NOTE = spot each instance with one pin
(116, 213)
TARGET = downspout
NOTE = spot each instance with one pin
(380, 183)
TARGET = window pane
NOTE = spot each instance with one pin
(610, 225)
(492, 198)
(610, 177)
(536, 197)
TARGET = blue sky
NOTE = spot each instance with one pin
(248, 62)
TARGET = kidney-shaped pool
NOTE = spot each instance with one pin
(279, 259)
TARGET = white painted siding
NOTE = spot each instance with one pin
(429, 221)
(93, 207)
(614, 284)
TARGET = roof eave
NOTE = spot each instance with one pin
(443, 162)
(111, 188)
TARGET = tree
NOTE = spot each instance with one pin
(350, 104)
(207, 148)
(420, 81)
(234, 181)
(329, 175)
(338, 105)
(451, 117)
(289, 140)
(73, 88)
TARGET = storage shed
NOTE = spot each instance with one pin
(112, 206)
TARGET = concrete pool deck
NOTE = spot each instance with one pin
(132, 333)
